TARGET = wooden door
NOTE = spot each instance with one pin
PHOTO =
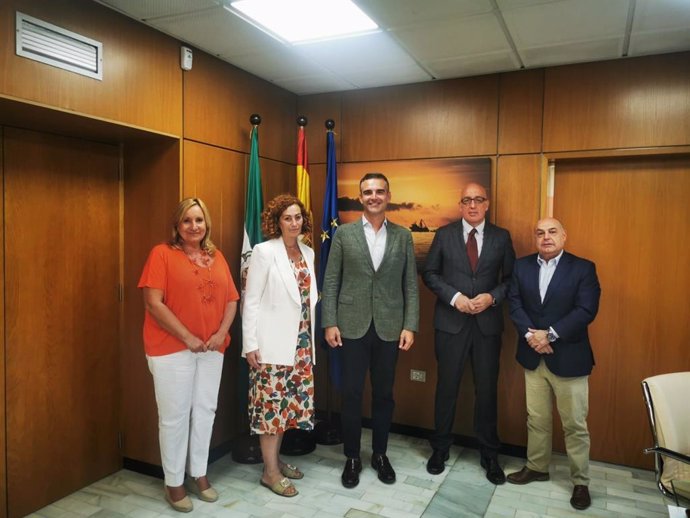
(632, 218)
(61, 297)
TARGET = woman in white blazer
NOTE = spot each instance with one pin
(278, 318)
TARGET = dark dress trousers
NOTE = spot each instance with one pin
(570, 304)
(447, 271)
(370, 307)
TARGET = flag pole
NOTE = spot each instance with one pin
(297, 441)
(246, 448)
(326, 431)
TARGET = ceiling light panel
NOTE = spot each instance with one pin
(296, 21)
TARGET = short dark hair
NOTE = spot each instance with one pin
(374, 176)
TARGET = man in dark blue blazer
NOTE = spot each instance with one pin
(554, 296)
(468, 268)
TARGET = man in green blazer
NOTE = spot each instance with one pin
(370, 308)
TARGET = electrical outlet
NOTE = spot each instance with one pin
(416, 375)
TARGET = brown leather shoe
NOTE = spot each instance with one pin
(581, 499)
(526, 475)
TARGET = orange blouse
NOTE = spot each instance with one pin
(196, 296)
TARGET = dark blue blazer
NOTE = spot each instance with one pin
(570, 305)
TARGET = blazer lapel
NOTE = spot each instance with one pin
(391, 237)
(458, 235)
(362, 242)
(487, 244)
(558, 275)
(282, 262)
(532, 281)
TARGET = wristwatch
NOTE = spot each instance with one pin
(551, 337)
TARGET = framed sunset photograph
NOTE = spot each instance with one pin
(424, 193)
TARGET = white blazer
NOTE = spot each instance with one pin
(272, 305)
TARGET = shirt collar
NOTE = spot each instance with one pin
(553, 261)
(365, 221)
(467, 228)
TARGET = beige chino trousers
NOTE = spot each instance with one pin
(572, 402)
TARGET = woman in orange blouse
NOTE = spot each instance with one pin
(191, 301)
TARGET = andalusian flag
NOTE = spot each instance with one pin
(303, 190)
(253, 207)
(329, 224)
(252, 236)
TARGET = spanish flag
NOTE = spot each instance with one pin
(303, 189)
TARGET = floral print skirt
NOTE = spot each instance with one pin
(281, 397)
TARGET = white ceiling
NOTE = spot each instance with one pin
(423, 40)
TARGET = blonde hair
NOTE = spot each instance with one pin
(182, 208)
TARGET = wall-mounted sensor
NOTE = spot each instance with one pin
(186, 58)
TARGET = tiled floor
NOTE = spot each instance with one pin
(461, 491)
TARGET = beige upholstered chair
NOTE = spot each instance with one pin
(667, 397)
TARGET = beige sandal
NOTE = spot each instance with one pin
(183, 505)
(207, 495)
(290, 471)
(281, 487)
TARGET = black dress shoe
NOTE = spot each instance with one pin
(383, 467)
(350, 476)
(494, 473)
(436, 463)
(581, 499)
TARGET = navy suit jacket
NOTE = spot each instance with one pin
(447, 271)
(570, 305)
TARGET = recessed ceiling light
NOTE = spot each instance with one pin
(298, 21)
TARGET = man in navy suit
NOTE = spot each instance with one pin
(554, 296)
(468, 268)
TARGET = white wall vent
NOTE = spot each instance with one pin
(53, 45)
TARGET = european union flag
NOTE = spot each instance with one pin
(329, 224)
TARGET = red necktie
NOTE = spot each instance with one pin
(472, 253)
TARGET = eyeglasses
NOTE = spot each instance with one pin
(477, 200)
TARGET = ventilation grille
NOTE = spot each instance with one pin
(47, 43)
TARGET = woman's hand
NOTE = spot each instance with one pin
(194, 344)
(254, 359)
(215, 342)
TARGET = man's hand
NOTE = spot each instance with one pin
(539, 341)
(332, 336)
(481, 302)
(463, 305)
(406, 339)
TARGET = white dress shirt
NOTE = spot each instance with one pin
(546, 271)
(376, 241)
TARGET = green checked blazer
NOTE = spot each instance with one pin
(353, 294)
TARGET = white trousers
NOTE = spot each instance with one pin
(186, 386)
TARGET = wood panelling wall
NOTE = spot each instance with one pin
(142, 79)
(151, 190)
(642, 327)
(140, 106)
(445, 118)
(520, 119)
(3, 430)
(520, 110)
(628, 103)
(218, 100)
